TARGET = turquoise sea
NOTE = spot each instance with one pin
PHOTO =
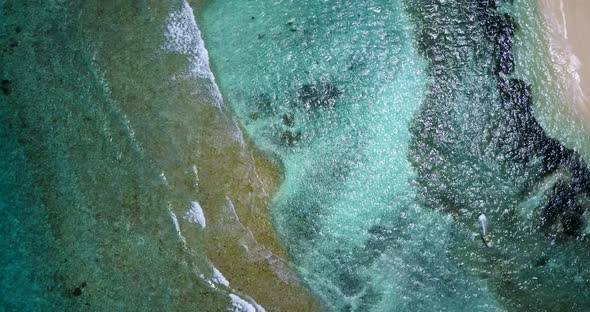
(286, 155)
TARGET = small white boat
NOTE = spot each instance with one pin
(483, 223)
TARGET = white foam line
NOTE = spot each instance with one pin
(114, 105)
(195, 214)
(258, 307)
(239, 136)
(218, 278)
(196, 172)
(232, 212)
(240, 305)
(176, 224)
(184, 37)
(164, 179)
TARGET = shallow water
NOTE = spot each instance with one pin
(398, 124)
(87, 225)
(337, 160)
(114, 133)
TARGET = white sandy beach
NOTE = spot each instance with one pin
(569, 24)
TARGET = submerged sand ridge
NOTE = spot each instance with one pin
(186, 132)
(114, 129)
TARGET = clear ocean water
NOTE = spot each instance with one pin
(282, 155)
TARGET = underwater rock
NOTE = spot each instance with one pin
(504, 43)
(563, 207)
(263, 105)
(78, 290)
(291, 25)
(554, 154)
(6, 87)
(499, 29)
(493, 23)
(519, 135)
(488, 18)
(522, 137)
(253, 115)
(504, 59)
(573, 223)
(485, 5)
(350, 283)
(290, 138)
(502, 2)
(560, 199)
(319, 94)
(516, 140)
(542, 261)
(288, 119)
(580, 172)
(381, 237)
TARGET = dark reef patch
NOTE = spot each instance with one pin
(564, 208)
(381, 237)
(318, 94)
(521, 137)
(288, 119)
(6, 87)
(263, 104)
(291, 25)
(511, 135)
(76, 292)
(350, 283)
(311, 99)
(290, 138)
(476, 146)
(499, 30)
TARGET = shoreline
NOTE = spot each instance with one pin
(569, 52)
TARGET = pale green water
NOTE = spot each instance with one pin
(395, 124)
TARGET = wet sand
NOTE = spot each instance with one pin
(568, 24)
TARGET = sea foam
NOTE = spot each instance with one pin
(195, 214)
(183, 37)
(218, 278)
(240, 305)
